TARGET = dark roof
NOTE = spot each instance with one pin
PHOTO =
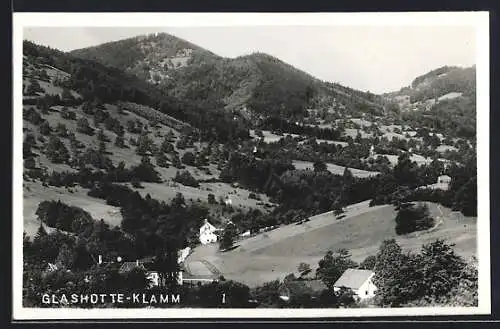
(129, 266)
(315, 285)
(293, 287)
(353, 278)
(149, 259)
(189, 276)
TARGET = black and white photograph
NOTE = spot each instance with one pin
(250, 165)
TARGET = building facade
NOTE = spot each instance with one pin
(208, 233)
(359, 281)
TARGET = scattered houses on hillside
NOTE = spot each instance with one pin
(359, 281)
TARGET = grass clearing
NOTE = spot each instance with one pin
(238, 196)
(335, 169)
(274, 254)
(35, 192)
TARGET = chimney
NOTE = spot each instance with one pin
(100, 260)
(137, 262)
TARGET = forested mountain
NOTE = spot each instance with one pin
(255, 83)
(442, 99)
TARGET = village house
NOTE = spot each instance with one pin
(194, 280)
(443, 183)
(207, 233)
(151, 274)
(359, 281)
(444, 179)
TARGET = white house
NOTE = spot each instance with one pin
(245, 234)
(443, 183)
(359, 281)
(207, 233)
(444, 179)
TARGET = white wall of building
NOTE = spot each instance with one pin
(207, 233)
(367, 290)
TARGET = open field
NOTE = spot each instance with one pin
(274, 254)
(335, 169)
(420, 160)
(35, 192)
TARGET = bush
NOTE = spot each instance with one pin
(63, 217)
(189, 159)
(31, 115)
(67, 114)
(254, 196)
(412, 218)
(211, 199)
(82, 126)
(45, 129)
(136, 183)
(57, 151)
(185, 178)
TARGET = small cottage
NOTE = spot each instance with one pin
(444, 179)
(359, 281)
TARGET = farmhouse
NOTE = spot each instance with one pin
(207, 233)
(359, 281)
(443, 183)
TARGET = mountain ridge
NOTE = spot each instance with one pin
(258, 82)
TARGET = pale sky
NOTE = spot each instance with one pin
(377, 59)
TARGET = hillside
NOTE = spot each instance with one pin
(257, 83)
(277, 253)
(442, 99)
(151, 57)
(69, 132)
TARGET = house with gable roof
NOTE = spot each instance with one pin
(207, 233)
(359, 281)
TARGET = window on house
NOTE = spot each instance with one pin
(366, 292)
